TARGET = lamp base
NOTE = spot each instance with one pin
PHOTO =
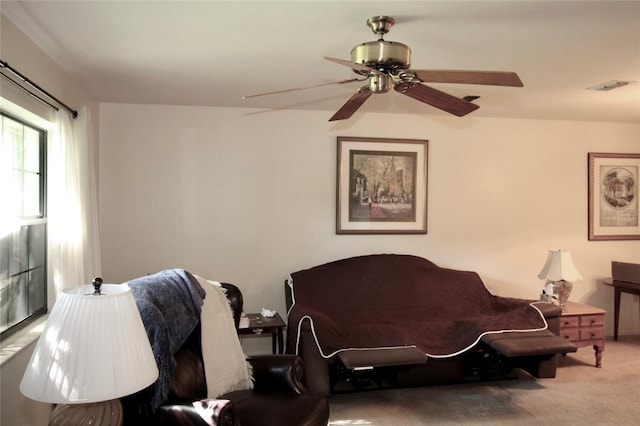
(561, 292)
(106, 413)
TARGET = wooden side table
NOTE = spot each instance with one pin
(584, 326)
(620, 287)
(259, 325)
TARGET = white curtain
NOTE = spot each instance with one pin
(74, 246)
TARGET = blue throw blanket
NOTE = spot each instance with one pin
(169, 303)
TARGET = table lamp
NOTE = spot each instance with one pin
(93, 350)
(560, 272)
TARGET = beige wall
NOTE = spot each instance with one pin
(248, 197)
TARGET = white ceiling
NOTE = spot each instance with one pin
(214, 52)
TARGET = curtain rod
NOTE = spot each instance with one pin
(5, 65)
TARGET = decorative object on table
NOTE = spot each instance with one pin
(547, 294)
(614, 181)
(93, 350)
(267, 313)
(560, 273)
(382, 186)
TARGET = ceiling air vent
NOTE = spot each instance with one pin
(609, 85)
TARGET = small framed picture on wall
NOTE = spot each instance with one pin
(613, 196)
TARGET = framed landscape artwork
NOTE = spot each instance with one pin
(381, 186)
(613, 196)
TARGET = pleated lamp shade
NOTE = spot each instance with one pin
(559, 266)
(93, 348)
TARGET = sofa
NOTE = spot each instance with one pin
(400, 320)
(276, 396)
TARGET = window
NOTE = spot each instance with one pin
(23, 242)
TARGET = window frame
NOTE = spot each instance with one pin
(31, 220)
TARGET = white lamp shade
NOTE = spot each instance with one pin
(93, 348)
(559, 266)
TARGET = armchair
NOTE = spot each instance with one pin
(278, 397)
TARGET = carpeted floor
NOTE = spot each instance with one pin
(579, 395)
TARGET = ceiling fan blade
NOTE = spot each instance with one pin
(436, 98)
(493, 78)
(352, 65)
(351, 80)
(352, 104)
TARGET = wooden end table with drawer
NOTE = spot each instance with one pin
(584, 326)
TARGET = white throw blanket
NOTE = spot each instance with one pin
(225, 364)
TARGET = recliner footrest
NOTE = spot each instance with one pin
(359, 359)
(530, 343)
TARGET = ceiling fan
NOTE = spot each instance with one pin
(386, 64)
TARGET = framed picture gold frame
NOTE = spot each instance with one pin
(613, 196)
(381, 186)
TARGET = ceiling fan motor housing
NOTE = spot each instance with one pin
(382, 55)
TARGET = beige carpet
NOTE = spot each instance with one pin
(579, 395)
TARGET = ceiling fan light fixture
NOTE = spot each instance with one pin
(380, 83)
(609, 85)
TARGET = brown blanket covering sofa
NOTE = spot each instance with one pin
(388, 310)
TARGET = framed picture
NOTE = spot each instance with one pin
(381, 186)
(613, 196)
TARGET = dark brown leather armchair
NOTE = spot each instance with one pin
(279, 398)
